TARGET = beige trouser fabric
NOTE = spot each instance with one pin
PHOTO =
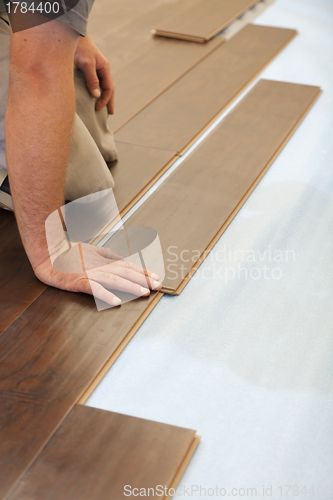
(92, 142)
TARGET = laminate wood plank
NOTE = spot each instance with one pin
(178, 116)
(95, 454)
(183, 467)
(142, 66)
(194, 205)
(136, 171)
(146, 77)
(203, 20)
(5, 216)
(249, 17)
(106, 15)
(121, 43)
(48, 357)
(19, 287)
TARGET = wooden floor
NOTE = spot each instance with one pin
(54, 345)
(95, 453)
(175, 120)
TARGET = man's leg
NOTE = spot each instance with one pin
(5, 198)
(92, 145)
(87, 171)
(96, 122)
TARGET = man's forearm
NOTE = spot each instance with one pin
(39, 123)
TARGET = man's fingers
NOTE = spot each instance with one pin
(92, 80)
(93, 288)
(109, 254)
(117, 283)
(134, 267)
(108, 88)
(129, 274)
(111, 103)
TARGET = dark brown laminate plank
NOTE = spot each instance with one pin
(136, 170)
(178, 116)
(5, 216)
(18, 285)
(95, 454)
(194, 205)
(203, 20)
(48, 357)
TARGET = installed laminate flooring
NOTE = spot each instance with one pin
(48, 358)
(5, 216)
(106, 16)
(194, 205)
(177, 117)
(203, 20)
(149, 75)
(95, 454)
(142, 66)
(136, 170)
(124, 41)
(18, 285)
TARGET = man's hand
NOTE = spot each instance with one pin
(103, 270)
(96, 69)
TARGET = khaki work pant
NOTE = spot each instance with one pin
(92, 142)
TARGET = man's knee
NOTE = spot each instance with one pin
(87, 171)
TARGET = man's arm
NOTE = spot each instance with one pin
(39, 123)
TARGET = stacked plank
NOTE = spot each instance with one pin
(203, 20)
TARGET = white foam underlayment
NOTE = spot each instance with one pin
(244, 354)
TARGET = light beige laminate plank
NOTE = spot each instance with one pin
(177, 117)
(203, 20)
(195, 204)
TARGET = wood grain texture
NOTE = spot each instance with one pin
(146, 77)
(121, 346)
(95, 454)
(183, 467)
(143, 67)
(124, 41)
(136, 170)
(176, 118)
(106, 16)
(18, 285)
(203, 20)
(48, 357)
(200, 198)
(5, 216)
